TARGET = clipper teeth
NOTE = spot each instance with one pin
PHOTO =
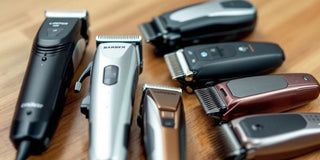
(119, 38)
(177, 64)
(147, 86)
(67, 14)
(173, 65)
(211, 102)
(226, 144)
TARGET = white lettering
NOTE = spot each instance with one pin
(57, 24)
(31, 105)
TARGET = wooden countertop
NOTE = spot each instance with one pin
(294, 25)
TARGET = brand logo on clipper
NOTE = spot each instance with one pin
(31, 105)
(114, 47)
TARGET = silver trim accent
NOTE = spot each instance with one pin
(66, 14)
(210, 9)
(177, 64)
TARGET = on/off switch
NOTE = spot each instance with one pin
(52, 32)
(167, 118)
(110, 75)
(204, 55)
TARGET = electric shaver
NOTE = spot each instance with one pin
(204, 65)
(259, 94)
(56, 53)
(209, 22)
(162, 123)
(114, 76)
(268, 136)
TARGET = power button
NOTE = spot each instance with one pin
(110, 75)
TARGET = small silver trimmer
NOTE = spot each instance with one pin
(114, 77)
(162, 123)
(268, 136)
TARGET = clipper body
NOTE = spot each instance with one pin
(205, 65)
(162, 122)
(269, 136)
(114, 77)
(260, 94)
(209, 22)
(56, 53)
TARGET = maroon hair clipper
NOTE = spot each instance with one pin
(259, 94)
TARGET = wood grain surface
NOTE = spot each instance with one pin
(294, 25)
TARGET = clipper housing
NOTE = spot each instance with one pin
(260, 94)
(162, 122)
(201, 66)
(210, 22)
(56, 53)
(268, 136)
(114, 77)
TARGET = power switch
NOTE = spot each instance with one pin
(53, 32)
(110, 75)
(167, 118)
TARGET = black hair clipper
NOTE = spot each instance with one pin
(56, 53)
(209, 22)
(268, 136)
(205, 65)
(162, 122)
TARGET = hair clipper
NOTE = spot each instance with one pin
(56, 53)
(268, 136)
(205, 65)
(260, 94)
(114, 76)
(162, 122)
(209, 22)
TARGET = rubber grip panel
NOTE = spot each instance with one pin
(272, 125)
(256, 85)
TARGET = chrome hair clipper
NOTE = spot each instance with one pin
(205, 65)
(259, 94)
(209, 22)
(268, 136)
(114, 77)
(56, 53)
(162, 122)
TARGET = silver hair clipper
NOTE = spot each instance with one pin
(268, 136)
(162, 122)
(114, 77)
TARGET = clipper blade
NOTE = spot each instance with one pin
(211, 102)
(67, 14)
(153, 30)
(147, 86)
(177, 64)
(136, 40)
(148, 32)
(227, 146)
(119, 39)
